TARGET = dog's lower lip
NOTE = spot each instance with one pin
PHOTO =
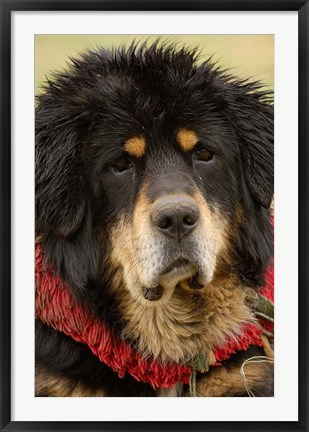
(154, 294)
(194, 282)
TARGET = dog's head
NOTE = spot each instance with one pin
(153, 175)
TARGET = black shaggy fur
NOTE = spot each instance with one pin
(106, 97)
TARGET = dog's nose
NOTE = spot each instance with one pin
(175, 216)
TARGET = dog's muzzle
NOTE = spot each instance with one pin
(175, 216)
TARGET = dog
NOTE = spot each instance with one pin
(154, 181)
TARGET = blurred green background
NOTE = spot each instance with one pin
(247, 56)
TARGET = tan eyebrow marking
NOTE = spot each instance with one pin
(135, 146)
(187, 139)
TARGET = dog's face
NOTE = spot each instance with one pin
(170, 228)
(153, 175)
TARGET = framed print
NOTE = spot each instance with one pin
(154, 215)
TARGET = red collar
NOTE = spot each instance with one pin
(57, 308)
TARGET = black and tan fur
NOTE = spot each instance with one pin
(154, 176)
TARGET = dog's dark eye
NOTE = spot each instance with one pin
(122, 165)
(203, 155)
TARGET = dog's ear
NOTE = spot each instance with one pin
(253, 119)
(60, 197)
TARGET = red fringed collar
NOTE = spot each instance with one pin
(57, 308)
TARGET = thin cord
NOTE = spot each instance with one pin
(255, 359)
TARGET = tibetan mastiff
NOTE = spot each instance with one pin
(154, 182)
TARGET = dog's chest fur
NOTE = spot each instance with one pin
(189, 324)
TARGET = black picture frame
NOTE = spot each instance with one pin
(7, 6)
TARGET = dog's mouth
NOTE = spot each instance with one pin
(180, 273)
